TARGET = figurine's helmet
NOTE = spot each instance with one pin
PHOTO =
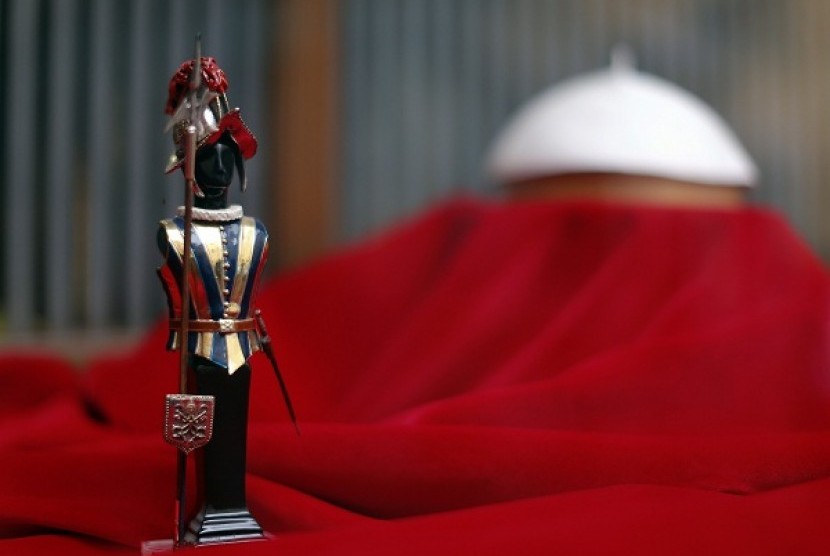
(214, 120)
(622, 121)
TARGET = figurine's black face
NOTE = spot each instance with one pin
(214, 172)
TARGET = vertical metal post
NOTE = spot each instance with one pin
(139, 165)
(59, 170)
(99, 273)
(20, 163)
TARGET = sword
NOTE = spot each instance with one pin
(265, 342)
(188, 418)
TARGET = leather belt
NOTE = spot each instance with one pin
(223, 326)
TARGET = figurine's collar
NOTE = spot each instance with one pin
(233, 212)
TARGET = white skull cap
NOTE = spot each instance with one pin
(619, 120)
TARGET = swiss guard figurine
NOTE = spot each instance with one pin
(213, 259)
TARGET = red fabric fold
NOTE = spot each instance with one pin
(485, 379)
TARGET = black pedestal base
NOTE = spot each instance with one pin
(167, 547)
(218, 526)
(211, 527)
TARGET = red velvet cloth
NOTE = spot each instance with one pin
(567, 378)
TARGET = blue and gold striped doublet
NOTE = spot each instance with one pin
(226, 265)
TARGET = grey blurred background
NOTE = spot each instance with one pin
(367, 111)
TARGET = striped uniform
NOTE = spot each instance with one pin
(226, 265)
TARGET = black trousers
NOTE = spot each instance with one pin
(224, 514)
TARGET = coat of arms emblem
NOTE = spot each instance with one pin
(188, 421)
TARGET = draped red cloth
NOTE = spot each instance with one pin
(541, 378)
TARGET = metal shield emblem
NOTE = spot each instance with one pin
(188, 421)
